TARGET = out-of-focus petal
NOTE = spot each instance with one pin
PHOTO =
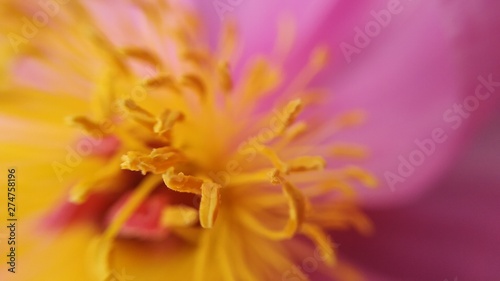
(257, 20)
(451, 232)
(428, 58)
(44, 256)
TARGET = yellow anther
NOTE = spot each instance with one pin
(276, 176)
(274, 158)
(306, 163)
(320, 238)
(197, 57)
(224, 76)
(361, 175)
(295, 130)
(141, 54)
(349, 150)
(209, 205)
(107, 49)
(350, 119)
(166, 121)
(162, 80)
(261, 78)
(319, 58)
(182, 183)
(195, 84)
(178, 216)
(88, 126)
(139, 114)
(229, 39)
(346, 189)
(158, 161)
(296, 207)
(292, 110)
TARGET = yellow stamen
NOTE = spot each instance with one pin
(139, 194)
(297, 206)
(320, 238)
(261, 78)
(229, 40)
(295, 130)
(319, 58)
(359, 174)
(102, 248)
(139, 114)
(210, 201)
(249, 178)
(158, 161)
(88, 126)
(198, 58)
(99, 254)
(306, 163)
(345, 188)
(350, 119)
(163, 80)
(166, 121)
(274, 158)
(179, 216)
(349, 150)
(108, 50)
(103, 179)
(225, 80)
(292, 110)
(182, 183)
(299, 164)
(141, 54)
(194, 83)
(316, 63)
(196, 92)
(210, 194)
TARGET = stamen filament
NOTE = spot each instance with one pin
(138, 195)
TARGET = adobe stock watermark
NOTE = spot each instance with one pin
(309, 264)
(91, 143)
(452, 118)
(222, 7)
(364, 36)
(39, 19)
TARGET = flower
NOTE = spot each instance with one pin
(201, 148)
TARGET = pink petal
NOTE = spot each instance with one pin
(427, 59)
(257, 20)
(451, 232)
(145, 221)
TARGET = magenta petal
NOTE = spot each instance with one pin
(257, 23)
(429, 58)
(452, 232)
(144, 223)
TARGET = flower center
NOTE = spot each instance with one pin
(179, 130)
